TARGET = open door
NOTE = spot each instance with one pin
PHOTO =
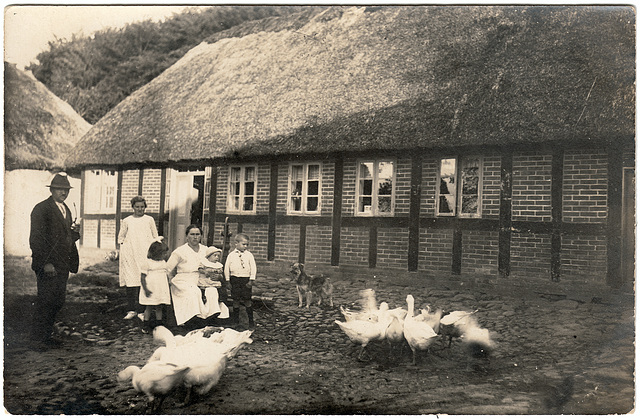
(186, 204)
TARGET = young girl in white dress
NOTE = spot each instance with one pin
(154, 281)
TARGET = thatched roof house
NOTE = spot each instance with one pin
(40, 129)
(366, 78)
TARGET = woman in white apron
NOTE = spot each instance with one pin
(185, 293)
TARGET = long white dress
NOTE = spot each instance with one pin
(185, 293)
(136, 234)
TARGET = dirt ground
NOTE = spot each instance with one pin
(566, 352)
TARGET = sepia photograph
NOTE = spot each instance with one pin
(319, 209)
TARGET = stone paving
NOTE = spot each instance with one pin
(559, 351)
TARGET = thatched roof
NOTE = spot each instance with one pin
(367, 78)
(40, 129)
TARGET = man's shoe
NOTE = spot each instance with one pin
(130, 315)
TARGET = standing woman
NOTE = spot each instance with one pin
(182, 266)
(136, 234)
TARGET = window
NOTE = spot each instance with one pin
(100, 191)
(242, 189)
(375, 188)
(459, 187)
(304, 188)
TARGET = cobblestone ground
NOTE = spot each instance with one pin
(556, 352)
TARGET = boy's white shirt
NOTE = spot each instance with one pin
(233, 265)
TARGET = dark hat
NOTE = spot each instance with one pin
(60, 181)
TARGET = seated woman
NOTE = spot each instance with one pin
(183, 265)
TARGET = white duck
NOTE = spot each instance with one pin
(155, 379)
(418, 334)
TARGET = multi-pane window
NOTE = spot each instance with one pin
(100, 191)
(375, 188)
(304, 188)
(242, 189)
(459, 187)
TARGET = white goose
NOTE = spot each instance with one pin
(206, 357)
(418, 334)
(155, 379)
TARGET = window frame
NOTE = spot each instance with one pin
(107, 191)
(242, 193)
(374, 191)
(457, 211)
(304, 195)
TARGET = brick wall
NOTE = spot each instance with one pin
(491, 187)
(108, 233)
(480, 252)
(318, 244)
(530, 255)
(354, 246)
(262, 189)
(402, 187)
(531, 187)
(429, 184)
(584, 186)
(90, 233)
(435, 250)
(151, 189)
(130, 180)
(393, 248)
(349, 188)
(257, 239)
(328, 174)
(583, 256)
(223, 189)
(287, 243)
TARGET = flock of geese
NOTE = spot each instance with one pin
(195, 361)
(380, 323)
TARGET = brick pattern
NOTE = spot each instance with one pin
(223, 189)
(354, 246)
(480, 252)
(328, 174)
(583, 256)
(318, 244)
(435, 250)
(491, 187)
(530, 255)
(531, 187)
(287, 240)
(584, 186)
(108, 233)
(393, 248)
(429, 187)
(402, 187)
(262, 189)
(257, 240)
(90, 233)
(151, 189)
(349, 188)
(130, 180)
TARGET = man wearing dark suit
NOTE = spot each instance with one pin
(54, 255)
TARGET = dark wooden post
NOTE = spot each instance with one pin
(414, 212)
(336, 219)
(213, 194)
(504, 235)
(557, 163)
(273, 202)
(614, 217)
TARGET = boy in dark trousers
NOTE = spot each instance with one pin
(240, 269)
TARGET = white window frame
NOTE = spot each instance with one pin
(373, 211)
(102, 201)
(242, 194)
(457, 191)
(304, 195)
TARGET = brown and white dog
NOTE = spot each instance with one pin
(310, 286)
